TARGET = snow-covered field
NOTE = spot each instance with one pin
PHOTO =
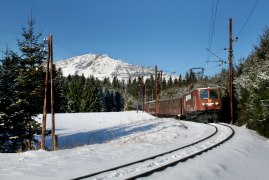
(90, 142)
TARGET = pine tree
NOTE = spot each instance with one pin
(113, 101)
(119, 102)
(91, 96)
(31, 70)
(175, 82)
(103, 102)
(115, 83)
(180, 80)
(60, 92)
(74, 92)
(187, 79)
(97, 96)
(30, 80)
(11, 115)
(170, 82)
(164, 84)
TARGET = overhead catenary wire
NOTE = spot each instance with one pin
(212, 22)
(211, 68)
(245, 23)
(248, 17)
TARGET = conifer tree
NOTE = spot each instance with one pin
(170, 82)
(60, 92)
(180, 80)
(74, 93)
(97, 97)
(30, 79)
(252, 88)
(11, 115)
(31, 70)
(119, 102)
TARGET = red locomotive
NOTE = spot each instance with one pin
(199, 104)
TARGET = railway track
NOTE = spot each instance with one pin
(159, 162)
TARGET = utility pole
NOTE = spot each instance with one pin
(44, 119)
(161, 79)
(156, 91)
(54, 147)
(142, 92)
(231, 71)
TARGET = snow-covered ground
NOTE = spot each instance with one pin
(90, 142)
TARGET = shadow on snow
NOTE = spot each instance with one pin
(97, 136)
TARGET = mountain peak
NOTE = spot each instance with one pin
(101, 66)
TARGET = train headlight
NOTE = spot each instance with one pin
(216, 103)
(203, 104)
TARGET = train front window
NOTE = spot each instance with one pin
(213, 94)
(203, 94)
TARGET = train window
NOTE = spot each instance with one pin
(203, 94)
(188, 97)
(152, 105)
(213, 94)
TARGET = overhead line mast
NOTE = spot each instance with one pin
(156, 90)
(231, 71)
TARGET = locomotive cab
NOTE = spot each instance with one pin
(210, 103)
(209, 99)
(202, 104)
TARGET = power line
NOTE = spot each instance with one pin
(211, 68)
(249, 15)
(210, 26)
(212, 23)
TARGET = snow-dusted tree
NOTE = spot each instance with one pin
(252, 88)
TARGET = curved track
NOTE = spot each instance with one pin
(145, 167)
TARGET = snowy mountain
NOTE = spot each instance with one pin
(102, 66)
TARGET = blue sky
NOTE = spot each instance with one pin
(172, 34)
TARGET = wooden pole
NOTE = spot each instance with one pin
(45, 105)
(138, 102)
(161, 80)
(156, 91)
(143, 93)
(231, 71)
(52, 97)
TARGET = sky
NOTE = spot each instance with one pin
(172, 34)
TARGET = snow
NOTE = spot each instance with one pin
(90, 142)
(101, 66)
(243, 157)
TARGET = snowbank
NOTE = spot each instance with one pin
(96, 141)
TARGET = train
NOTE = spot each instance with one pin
(200, 104)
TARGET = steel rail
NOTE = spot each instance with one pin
(158, 169)
(148, 158)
